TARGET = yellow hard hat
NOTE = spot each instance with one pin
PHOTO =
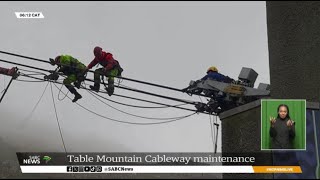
(212, 68)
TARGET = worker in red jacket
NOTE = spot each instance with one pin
(111, 68)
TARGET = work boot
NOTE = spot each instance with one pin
(96, 87)
(73, 91)
(110, 89)
(76, 97)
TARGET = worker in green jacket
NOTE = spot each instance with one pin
(73, 69)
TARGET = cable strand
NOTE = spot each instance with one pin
(124, 122)
(56, 114)
(143, 117)
(129, 97)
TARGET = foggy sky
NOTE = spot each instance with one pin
(168, 43)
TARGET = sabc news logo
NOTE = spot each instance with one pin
(36, 159)
(46, 159)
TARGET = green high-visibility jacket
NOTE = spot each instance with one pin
(70, 65)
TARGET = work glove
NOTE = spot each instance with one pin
(52, 62)
(104, 71)
(85, 70)
(81, 77)
(53, 76)
(184, 89)
(120, 71)
(13, 72)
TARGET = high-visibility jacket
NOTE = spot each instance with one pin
(70, 65)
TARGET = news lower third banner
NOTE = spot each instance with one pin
(150, 163)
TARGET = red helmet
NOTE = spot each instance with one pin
(97, 51)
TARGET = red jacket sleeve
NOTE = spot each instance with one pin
(4, 71)
(93, 63)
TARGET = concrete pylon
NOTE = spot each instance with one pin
(294, 62)
(294, 49)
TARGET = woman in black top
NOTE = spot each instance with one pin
(282, 130)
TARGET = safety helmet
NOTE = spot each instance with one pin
(212, 68)
(97, 51)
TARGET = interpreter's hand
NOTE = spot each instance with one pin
(290, 123)
(272, 121)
